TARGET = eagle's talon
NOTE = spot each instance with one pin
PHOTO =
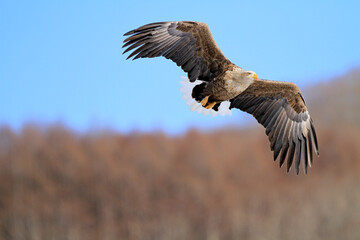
(204, 101)
(210, 105)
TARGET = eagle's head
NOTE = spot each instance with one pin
(250, 74)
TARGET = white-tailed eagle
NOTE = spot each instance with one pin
(278, 106)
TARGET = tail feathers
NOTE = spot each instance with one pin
(187, 89)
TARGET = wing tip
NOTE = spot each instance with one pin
(129, 33)
(146, 27)
(305, 170)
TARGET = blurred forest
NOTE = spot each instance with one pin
(56, 184)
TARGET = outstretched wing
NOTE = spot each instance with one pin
(281, 109)
(189, 44)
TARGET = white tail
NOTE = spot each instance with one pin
(186, 89)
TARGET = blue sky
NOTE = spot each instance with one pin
(61, 61)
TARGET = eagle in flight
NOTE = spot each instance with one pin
(215, 85)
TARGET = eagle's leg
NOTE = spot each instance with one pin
(210, 105)
(204, 101)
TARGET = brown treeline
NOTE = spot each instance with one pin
(222, 185)
(57, 184)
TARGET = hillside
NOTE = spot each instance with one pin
(56, 184)
(336, 101)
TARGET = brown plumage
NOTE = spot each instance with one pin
(278, 106)
(189, 44)
(281, 109)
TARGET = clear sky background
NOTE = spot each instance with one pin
(61, 61)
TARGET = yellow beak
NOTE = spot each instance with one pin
(255, 76)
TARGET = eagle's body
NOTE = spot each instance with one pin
(278, 106)
(228, 85)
